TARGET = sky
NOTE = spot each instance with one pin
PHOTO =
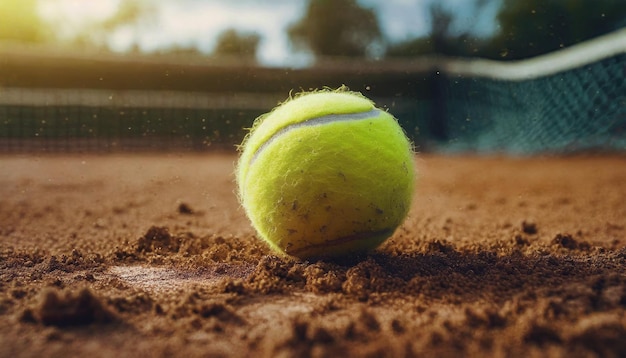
(197, 23)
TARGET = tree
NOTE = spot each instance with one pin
(21, 22)
(534, 27)
(134, 14)
(336, 28)
(233, 43)
(441, 39)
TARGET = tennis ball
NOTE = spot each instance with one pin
(326, 174)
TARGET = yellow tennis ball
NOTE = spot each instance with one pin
(326, 174)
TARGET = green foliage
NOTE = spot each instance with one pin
(233, 43)
(441, 39)
(336, 28)
(527, 28)
(133, 14)
(534, 27)
(129, 13)
(19, 21)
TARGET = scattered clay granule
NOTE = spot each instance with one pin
(163, 262)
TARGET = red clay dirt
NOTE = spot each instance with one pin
(151, 255)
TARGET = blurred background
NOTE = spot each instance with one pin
(111, 75)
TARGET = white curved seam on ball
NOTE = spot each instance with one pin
(375, 112)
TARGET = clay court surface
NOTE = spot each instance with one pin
(151, 255)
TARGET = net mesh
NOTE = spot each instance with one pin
(576, 110)
(54, 120)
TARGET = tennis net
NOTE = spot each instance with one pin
(570, 100)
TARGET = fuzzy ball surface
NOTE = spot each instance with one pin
(326, 174)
